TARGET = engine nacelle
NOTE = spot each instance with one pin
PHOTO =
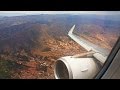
(75, 68)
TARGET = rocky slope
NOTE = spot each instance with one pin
(30, 45)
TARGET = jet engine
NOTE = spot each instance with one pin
(83, 66)
(75, 68)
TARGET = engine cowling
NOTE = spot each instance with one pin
(75, 68)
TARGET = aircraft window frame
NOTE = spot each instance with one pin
(109, 60)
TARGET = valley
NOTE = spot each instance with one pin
(30, 45)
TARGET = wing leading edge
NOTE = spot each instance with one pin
(100, 53)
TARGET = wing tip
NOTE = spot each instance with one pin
(71, 30)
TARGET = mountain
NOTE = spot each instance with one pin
(30, 45)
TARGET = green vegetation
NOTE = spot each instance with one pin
(4, 69)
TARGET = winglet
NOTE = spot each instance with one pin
(77, 39)
(71, 30)
(100, 53)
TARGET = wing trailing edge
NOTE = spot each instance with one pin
(101, 53)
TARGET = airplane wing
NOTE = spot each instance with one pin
(100, 53)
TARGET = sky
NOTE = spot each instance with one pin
(19, 13)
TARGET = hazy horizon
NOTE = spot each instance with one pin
(22, 13)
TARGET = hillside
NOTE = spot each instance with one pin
(30, 45)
